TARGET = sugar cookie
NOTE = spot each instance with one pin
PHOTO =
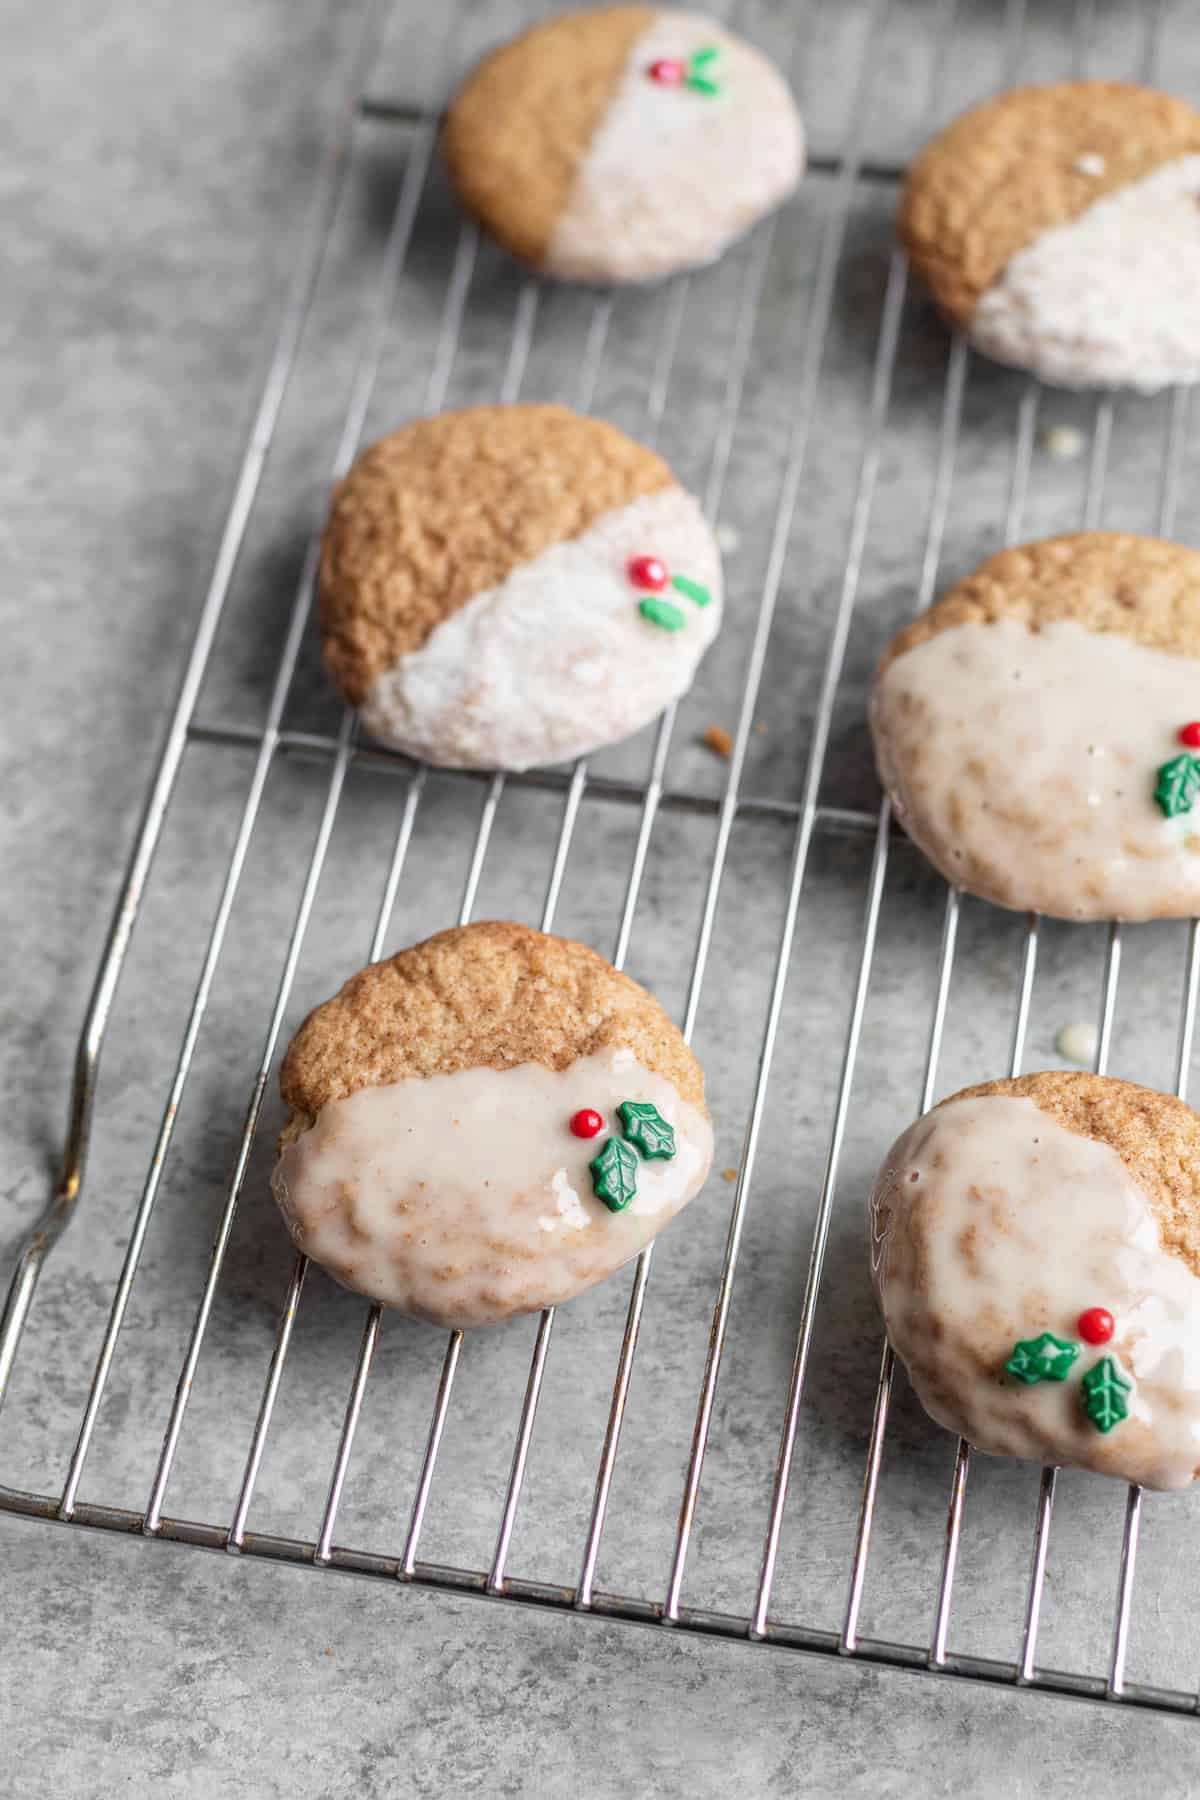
(514, 585)
(487, 1124)
(1038, 729)
(1035, 1247)
(1059, 227)
(623, 143)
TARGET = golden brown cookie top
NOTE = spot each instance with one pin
(1156, 1136)
(520, 125)
(1010, 169)
(449, 506)
(1146, 588)
(491, 995)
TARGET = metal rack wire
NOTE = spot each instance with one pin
(808, 819)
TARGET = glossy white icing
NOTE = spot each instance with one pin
(556, 660)
(671, 176)
(1024, 764)
(992, 1223)
(465, 1198)
(1113, 297)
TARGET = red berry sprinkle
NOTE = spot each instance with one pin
(587, 1122)
(1190, 735)
(668, 70)
(1096, 1325)
(648, 572)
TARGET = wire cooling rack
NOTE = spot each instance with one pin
(718, 1424)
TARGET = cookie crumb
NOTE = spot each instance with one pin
(1090, 164)
(728, 537)
(718, 740)
(760, 728)
(729, 1174)
(327, 1653)
(1063, 442)
(1077, 1043)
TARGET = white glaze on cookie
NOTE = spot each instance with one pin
(557, 660)
(465, 1198)
(1113, 297)
(1024, 765)
(671, 176)
(991, 1223)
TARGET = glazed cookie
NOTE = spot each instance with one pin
(624, 143)
(1035, 1247)
(1059, 227)
(514, 585)
(487, 1124)
(1038, 729)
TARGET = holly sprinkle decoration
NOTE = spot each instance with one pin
(1044, 1358)
(1178, 784)
(672, 71)
(614, 1175)
(694, 590)
(642, 1124)
(1105, 1386)
(652, 572)
(663, 613)
(1096, 1325)
(614, 1171)
(587, 1122)
(1104, 1394)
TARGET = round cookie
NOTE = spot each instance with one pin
(624, 143)
(1037, 729)
(1059, 228)
(1035, 1249)
(487, 1124)
(514, 585)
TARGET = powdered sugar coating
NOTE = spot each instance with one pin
(672, 176)
(556, 660)
(1111, 299)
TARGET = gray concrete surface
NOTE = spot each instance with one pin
(155, 164)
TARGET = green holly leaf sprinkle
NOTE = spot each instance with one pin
(614, 1175)
(1104, 1391)
(1178, 784)
(693, 589)
(1044, 1358)
(645, 1126)
(702, 85)
(662, 612)
(708, 54)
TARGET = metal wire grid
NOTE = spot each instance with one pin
(806, 818)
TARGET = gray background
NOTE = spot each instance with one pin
(155, 166)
